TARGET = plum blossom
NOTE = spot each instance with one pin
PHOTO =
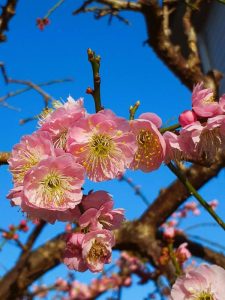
(187, 117)
(203, 102)
(28, 153)
(151, 146)
(73, 252)
(64, 117)
(103, 144)
(204, 141)
(152, 117)
(202, 282)
(173, 147)
(182, 253)
(99, 213)
(97, 249)
(53, 188)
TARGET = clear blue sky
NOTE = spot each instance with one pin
(129, 71)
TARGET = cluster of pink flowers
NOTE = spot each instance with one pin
(203, 129)
(76, 290)
(50, 165)
(202, 282)
(91, 247)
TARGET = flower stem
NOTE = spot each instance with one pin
(174, 260)
(95, 64)
(52, 9)
(133, 110)
(193, 192)
(170, 128)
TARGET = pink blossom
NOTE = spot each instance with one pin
(187, 117)
(203, 141)
(202, 282)
(154, 118)
(214, 203)
(151, 146)
(73, 252)
(61, 284)
(97, 249)
(182, 253)
(80, 291)
(28, 153)
(211, 138)
(173, 147)
(103, 144)
(189, 139)
(52, 188)
(99, 213)
(169, 233)
(15, 195)
(203, 102)
(64, 117)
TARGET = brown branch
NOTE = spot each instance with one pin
(198, 250)
(34, 86)
(4, 156)
(117, 5)
(16, 281)
(8, 11)
(33, 237)
(20, 91)
(161, 35)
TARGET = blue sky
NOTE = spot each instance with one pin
(130, 71)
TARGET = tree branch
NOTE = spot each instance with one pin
(8, 11)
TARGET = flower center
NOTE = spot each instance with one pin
(98, 250)
(101, 145)
(60, 140)
(204, 296)
(208, 100)
(148, 148)
(54, 187)
(29, 159)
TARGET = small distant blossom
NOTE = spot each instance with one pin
(182, 253)
(169, 233)
(52, 187)
(192, 206)
(99, 212)
(151, 146)
(103, 144)
(41, 23)
(214, 203)
(200, 283)
(97, 249)
(187, 117)
(203, 102)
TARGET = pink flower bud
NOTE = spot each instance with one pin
(187, 117)
(169, 233)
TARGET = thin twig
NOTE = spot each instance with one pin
(20, 91)
(136, 190)
(34, 86)
(95, 64)
(193, 192)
